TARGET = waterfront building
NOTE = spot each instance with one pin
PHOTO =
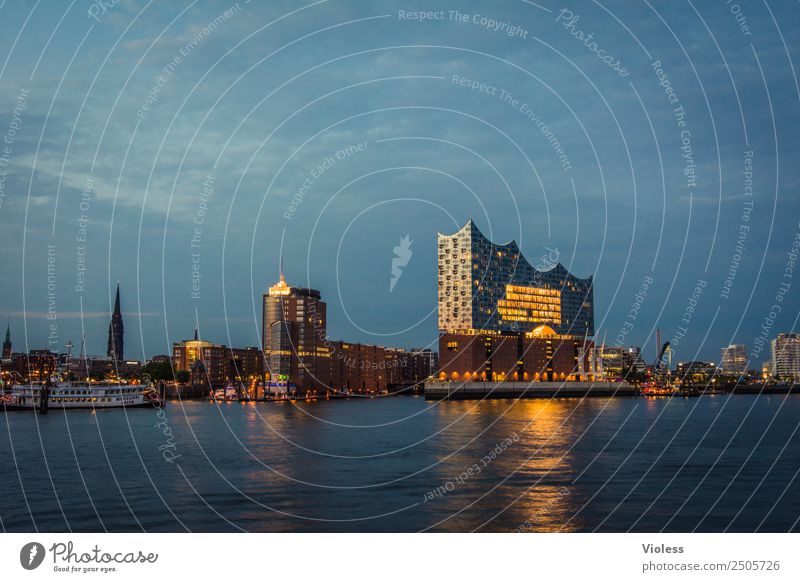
(696, 372)
(116, 332)
(7, 343)
(357, 368)
(502, 319)
(293, 337)
(621, 361)
(786, 356)
(734, 360)
(101, 368)
(422, 364)
(410, 367)
(506, 357)
(634, 362)
(216, 365)
(35, 366)
(613, 358)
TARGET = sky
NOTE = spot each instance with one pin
(181, 149)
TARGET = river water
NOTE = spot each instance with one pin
(715, 463)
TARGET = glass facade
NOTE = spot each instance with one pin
(490, 287)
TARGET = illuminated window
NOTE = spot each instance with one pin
(530, 304)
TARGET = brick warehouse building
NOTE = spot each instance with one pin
(502, 319)
(221, 364)
(505, 357)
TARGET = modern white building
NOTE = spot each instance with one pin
(734, 359)
(786, 356)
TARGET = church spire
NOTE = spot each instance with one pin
(116, 303)
(116, 332)
(7, 342)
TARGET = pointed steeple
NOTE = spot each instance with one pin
(116, 303)
(195, 333)
(116, 332)
(7, 342)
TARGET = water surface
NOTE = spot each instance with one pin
(715, 463)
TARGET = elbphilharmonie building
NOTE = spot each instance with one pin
(489, 287)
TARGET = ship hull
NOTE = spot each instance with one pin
(58, 407)
(79, 396)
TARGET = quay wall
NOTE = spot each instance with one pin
(435, 390)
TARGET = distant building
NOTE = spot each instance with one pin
(116, 333)
(7, 343)
(406, 368)
(613, 360)
(101, 367)
(35, 366)
(423, 363)
(786, 356)
(633, 360)
(734, 360)
(621, 361)
(219, 364)
(695, 372)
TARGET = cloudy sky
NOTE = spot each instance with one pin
(180, 148)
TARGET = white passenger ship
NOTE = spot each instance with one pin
(80, 395)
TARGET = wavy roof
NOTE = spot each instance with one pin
(512, 246)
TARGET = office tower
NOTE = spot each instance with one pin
(734, 359)
(294, 337)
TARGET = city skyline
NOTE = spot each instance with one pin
(547, 266)
(568, 301)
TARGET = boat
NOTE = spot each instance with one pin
(658, 391)
(69, 395)
(229, 393)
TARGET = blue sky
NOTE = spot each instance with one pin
(267, 103)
